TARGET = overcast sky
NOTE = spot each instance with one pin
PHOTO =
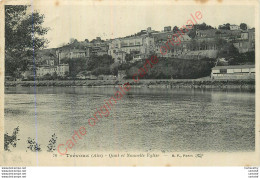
(111, 21)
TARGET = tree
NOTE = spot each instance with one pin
(66, 74)
(47, 77)
(76, 65)
(224, 26)
(192, 33)
(175, 29)
(24, 36)
(52, 143)
(73, 40)
(218, 32)
(129, 57)
(220, 43)
(102, 71)
(202, 26)
(11, 140)
(33, 145)
(229, 52)
(55, 75)
(194, 45)
(243, 26)
(99, 61)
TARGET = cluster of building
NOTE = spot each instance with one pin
(147, 42)
(84, 49)
(50, 67)
(60, 70)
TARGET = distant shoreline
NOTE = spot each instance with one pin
(149, 83)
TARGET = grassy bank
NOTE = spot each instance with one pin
(158, 83)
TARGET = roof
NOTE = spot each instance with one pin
(208, 33)
(132, 37)
(77, 51)
(162, 36)
(46, 67)
(234, 67)
(120, 52)
(185, 37)
(67, 51)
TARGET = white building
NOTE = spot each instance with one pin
(136, 45)
(233, 72)
(60, 70)
(234, 27)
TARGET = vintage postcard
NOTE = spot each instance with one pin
(129, 83)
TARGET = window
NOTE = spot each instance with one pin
(215, 71)
(230, 71)
(237, 70)
(245, 70)
(223, 71)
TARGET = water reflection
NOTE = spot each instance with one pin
(144, 119)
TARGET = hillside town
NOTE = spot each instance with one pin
(226, 52)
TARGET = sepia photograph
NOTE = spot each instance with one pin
(120, 83)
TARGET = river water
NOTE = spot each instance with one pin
(143, 120)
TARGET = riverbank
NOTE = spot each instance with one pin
(156, 83)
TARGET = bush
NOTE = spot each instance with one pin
(52, 143)
(175, 68)
(33, 145)
(11, 140)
